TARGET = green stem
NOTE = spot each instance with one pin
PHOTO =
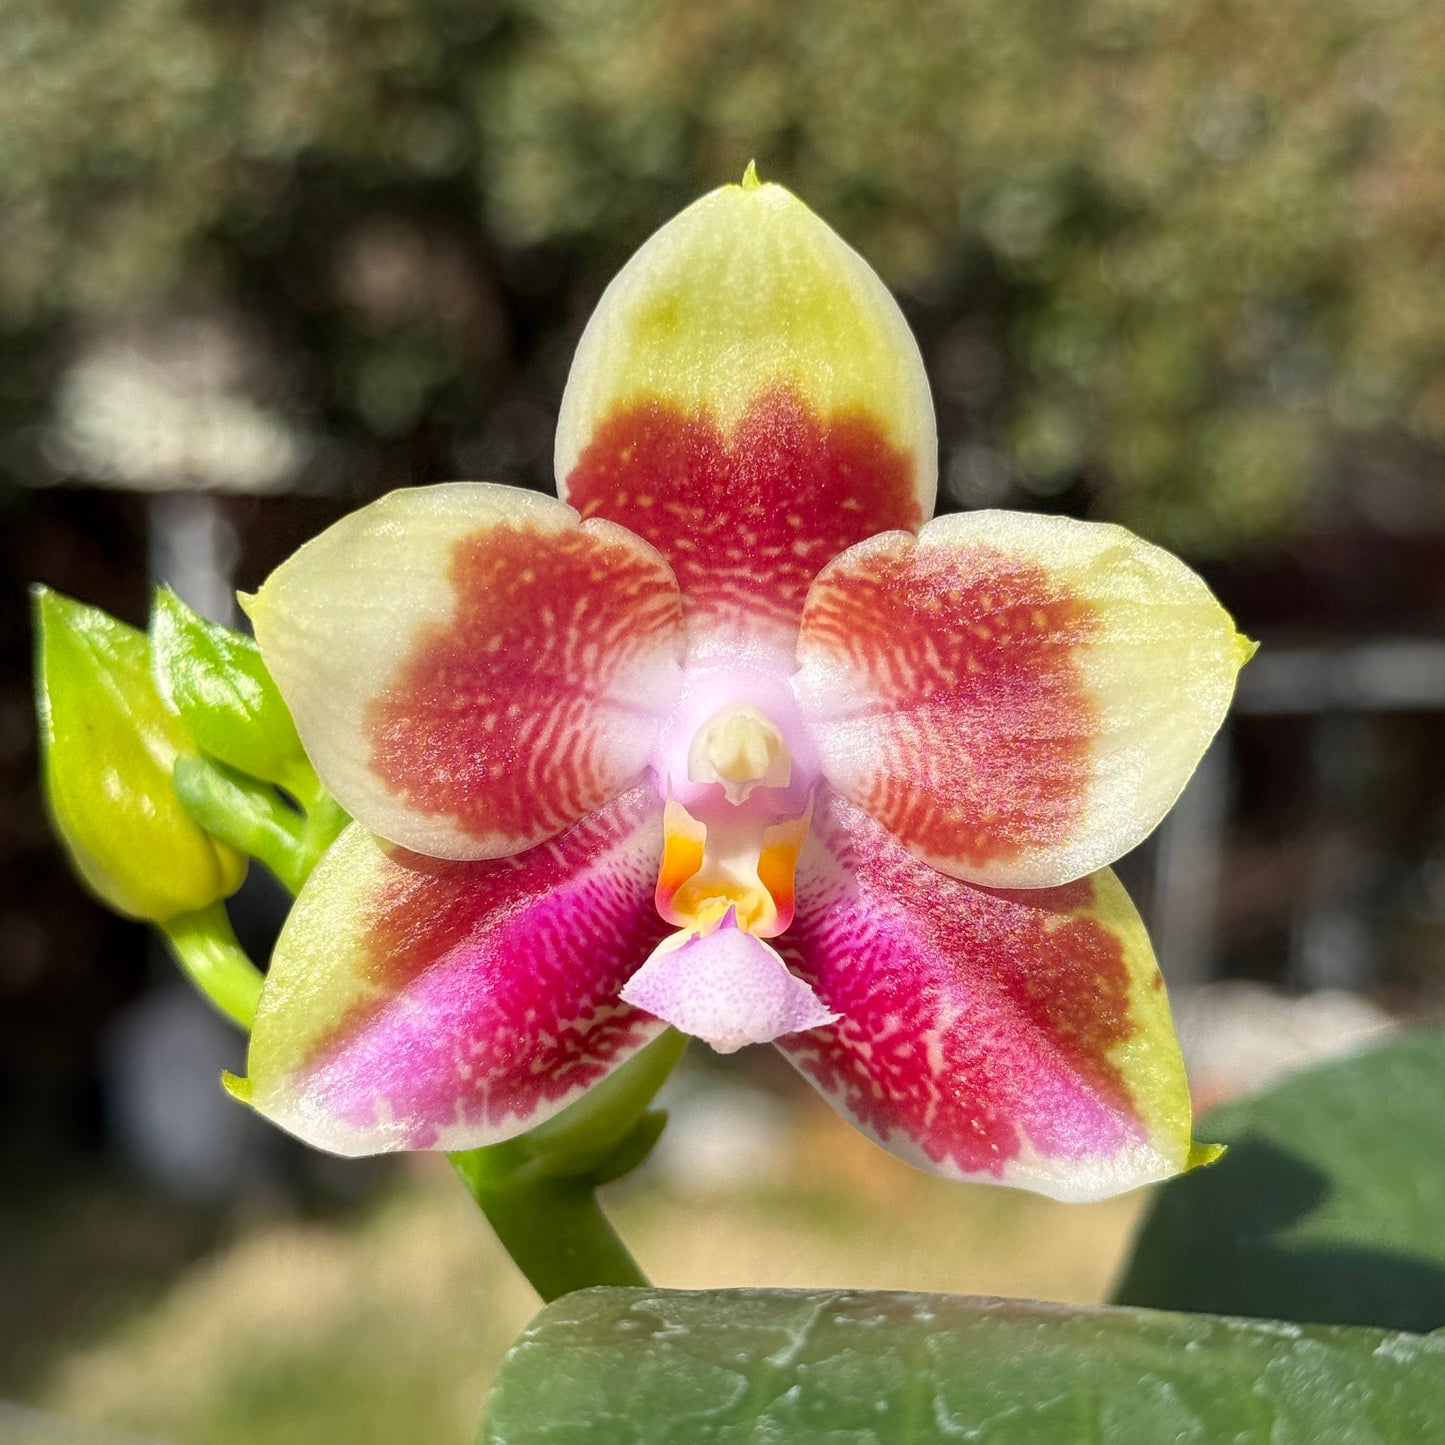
(325, 818)
(539, 1191)
(209, 955)
(586, 1134)
(253, 817)
(552, 1227)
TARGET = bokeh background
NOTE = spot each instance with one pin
(1178, 265)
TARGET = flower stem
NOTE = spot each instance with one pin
(325, 818)
(539, 1191)
(553, 1228)
(209, 955)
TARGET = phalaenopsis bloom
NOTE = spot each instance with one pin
(733, 738)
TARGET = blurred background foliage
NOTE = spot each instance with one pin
(1174, 264)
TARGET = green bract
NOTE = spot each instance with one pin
(213, 679)
(108, 749)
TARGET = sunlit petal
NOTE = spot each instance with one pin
(748, 398)
(1018, 698)
(1018, 1038)
(414, 1003)
(472, 670)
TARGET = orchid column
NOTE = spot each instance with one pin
(731, 738)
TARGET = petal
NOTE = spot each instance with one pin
(415, 1003)
(748, 397)
(1018, 1038)
(726, 987)
(470, 669)
(1020, 699)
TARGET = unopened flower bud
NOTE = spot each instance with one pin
(213, 679)
(108, 748)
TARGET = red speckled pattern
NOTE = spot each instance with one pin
(974, 1020)
(746, 520)
(497, 982)
(965, 726)
(501, 717)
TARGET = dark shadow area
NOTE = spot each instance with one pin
(1219, 1241)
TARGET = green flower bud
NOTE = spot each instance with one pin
(213, 679)
(108, 747)
(249, 815)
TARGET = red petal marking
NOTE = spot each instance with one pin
(973, 1020)
(746, 520)
(977, 724)
(499, 717)
(498, 980)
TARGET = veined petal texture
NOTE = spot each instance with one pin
(1017, 1038)
(1018, 698)
(471, 668)
(748, 397)
(420, 1003)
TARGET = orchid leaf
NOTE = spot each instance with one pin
(733, 1366)
(1329, 1205)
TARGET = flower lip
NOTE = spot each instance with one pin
(732, 864)
(726, 987)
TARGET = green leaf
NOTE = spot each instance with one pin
(108, 748)
(1329, 1205)
(650, 1367)
(213, 679)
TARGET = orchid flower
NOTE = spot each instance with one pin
(731, 737)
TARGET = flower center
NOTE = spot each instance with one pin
(728, 863)
(742, 749)
(737, 768)
(736, 818)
